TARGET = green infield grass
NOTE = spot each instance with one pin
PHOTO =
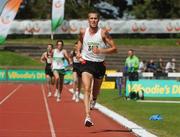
(119, 42)
(140, 112)
(14, 59)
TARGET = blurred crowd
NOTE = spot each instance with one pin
(157, 66)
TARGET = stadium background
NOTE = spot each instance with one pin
(15, 44)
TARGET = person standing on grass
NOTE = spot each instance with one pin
(93, 44)
(132, 61)
(58, 67)
(46, 58)
(76, 75)
(132, 65)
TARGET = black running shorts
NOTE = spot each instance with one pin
(48, 70)
(97, 69)
(76, 68)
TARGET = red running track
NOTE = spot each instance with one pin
(25, 111)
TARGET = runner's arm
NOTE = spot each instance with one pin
(80, 43)
(66, 55)
(107, 40)
(43, 58)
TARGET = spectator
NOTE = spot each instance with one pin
(132, 65)
(160, 66)
(151, 67)
(132, 62)
(171, 66)
(142, 66)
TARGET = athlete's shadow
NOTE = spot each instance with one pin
(112, 130)
(95, 109)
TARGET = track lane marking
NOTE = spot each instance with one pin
(123, 121)
(10, 94)
(53, 134)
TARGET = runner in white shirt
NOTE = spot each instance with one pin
(95, 43)
(59, 55)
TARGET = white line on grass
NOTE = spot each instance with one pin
(138, 130)
(158, 101)
(53, 134)
(12, 92)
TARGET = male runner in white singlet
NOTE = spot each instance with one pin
(94, 43)
(58, 67)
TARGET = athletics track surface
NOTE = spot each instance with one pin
(25, 111)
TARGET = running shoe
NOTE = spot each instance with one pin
(92, 104)
(58, 99)
(88, 122)
(77, 99)
(74, 96)
(49, 94)
(71, 90)
(56, 93)
(77, 96)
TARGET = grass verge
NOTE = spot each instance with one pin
(13, 59)
(139, 113)
(119, 42)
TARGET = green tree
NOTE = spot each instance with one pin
(122, 5)
(35, 9)
(76, 10)
(156, 9)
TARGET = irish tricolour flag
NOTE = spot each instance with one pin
(2, 4)
(57, 14)
(7, 15)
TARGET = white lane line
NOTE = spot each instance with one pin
(158, 101)
(53, 134)
(138, 130)
(12, 92)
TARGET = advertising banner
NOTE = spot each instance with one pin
(154, 88)
(30, 75)
(26, 75)
(57, 13)
(43, 27)
(2, 75)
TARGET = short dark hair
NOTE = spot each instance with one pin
(131, 50)
(51, 45)
(60, 41)
(94, 12)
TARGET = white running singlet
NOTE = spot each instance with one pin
(75, 60)
(92, 41)
(58, 60)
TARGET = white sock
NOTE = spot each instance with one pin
(77, 93)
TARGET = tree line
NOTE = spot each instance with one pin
(78, 9)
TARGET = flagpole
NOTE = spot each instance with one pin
(52, 35)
